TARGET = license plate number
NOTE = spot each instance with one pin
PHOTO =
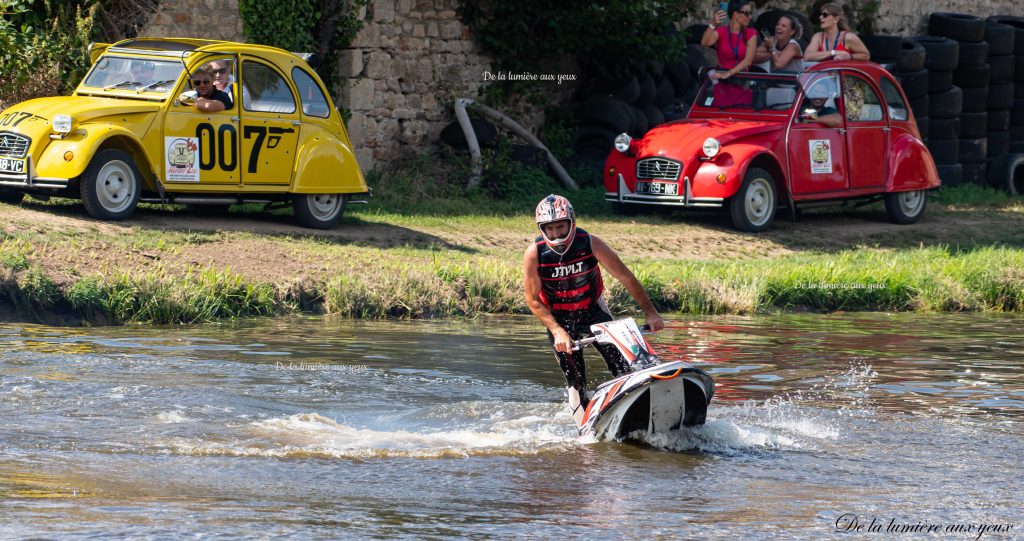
(12, 165)
(664, 188)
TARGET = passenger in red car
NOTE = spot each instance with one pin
(835, 41)
(735, 44)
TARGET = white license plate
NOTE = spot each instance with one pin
(12, 165)
(664, 188)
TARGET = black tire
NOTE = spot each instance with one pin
(665, 94)
(1000, 37)
(486, 134)
(951, 175)
(972, 54)
(679, 73)
(597, 136)
(1016, 147)
(975, 100)
(946, 104)
(973, 125)
(1018, 26)
(607, 112)
(1016, 134)
(627, 89)
(1002, 68)
(1006, 172)
(972, 76)
(998, 120)
(944, 151)
(943, 129)
(648, 90)
(911, 56)
(941, 54)
(998, 143)
(956, 26)
(696, 59)
(975, 173)
(939, 81)
(752, 208)
(920, 106)
(906, 207)
(318, 211)
(694, 32)
(914, 83)
(11, 197)
(1017, 113)
(883, 46)
(1018, 71)
(973, 150)
(639, 126)
(654, 116)
(1000, 96)
(922, 126)
(111, 185)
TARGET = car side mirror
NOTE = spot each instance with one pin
(188, 97)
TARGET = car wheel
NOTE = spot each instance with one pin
(110, 185)
(906, 207)
(12, 198)
(753, 207)
(319, 211)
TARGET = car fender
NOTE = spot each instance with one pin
(911, 166)
(733, 160)
(325, 164)
(83, 144)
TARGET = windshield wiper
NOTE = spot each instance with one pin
(119, 85)
(153, 85)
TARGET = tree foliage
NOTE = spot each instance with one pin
(608, 37)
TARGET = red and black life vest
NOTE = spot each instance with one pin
(571, 281)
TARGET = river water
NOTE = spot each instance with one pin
(823, 426)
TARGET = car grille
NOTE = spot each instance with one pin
(13, 145)
(658, 169)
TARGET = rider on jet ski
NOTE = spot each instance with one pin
(563, 288)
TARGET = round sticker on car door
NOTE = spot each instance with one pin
(821, 156)
(182, 153)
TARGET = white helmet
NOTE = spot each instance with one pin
(555, 208)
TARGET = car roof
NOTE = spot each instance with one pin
(181, 47)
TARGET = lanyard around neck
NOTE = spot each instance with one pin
(739, 41)
(834, 45)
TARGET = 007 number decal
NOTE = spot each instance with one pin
(217, 150)
(261, 135)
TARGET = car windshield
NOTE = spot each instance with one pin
(750, 91)
(133, 74)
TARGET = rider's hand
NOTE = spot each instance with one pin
(654, 321)
(563, 342)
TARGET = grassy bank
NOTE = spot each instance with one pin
(424, 249)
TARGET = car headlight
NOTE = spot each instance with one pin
(622, 142)
(711, 147)
(62, 124)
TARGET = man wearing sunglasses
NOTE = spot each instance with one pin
(222, 77)
(209, 99)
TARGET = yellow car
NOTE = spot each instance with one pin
(138, 128)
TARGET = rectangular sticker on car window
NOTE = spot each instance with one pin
(821, 156)
(182, 159)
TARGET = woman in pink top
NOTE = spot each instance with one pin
(835, 41)
(735, 42)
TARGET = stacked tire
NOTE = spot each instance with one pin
(1016, 144)
(633, 104)
(1000, 38)
(972, 75)
(945, 104)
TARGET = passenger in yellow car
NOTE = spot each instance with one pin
(209, 100)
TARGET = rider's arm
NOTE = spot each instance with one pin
(611, 262)
(531, 286)
(858, 51)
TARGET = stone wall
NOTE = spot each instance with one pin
(211, 19)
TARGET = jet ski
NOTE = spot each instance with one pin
(655, 398)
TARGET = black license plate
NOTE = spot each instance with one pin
(660, 188)
(12, 165)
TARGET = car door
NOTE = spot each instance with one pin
(817, 152)
(200, 148)
(867, 132)
(270, 125)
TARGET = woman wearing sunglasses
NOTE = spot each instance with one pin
(835, 41)
(209, 99)
(735, 42)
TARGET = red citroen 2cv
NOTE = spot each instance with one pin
(756, 142)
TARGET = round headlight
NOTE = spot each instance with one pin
(622, 142)
(62, 124)
(711, 147)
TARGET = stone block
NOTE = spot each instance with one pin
(357, 128)
(433, 30)
(414, 132)
(402, 7)
(384, 10)
(378, 65)
(367, 38)
(451, 29)
(350, 62)
(358, 95)
(364, 157)
(419, 30)
(404, 114)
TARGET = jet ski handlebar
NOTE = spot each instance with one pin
(584, 342)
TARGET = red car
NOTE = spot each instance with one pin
(756, 142)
